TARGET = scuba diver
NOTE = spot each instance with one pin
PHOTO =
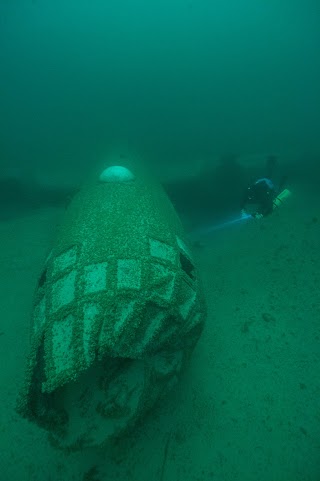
(262, 196)
(258, 199)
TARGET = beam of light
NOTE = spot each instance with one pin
(213, 228)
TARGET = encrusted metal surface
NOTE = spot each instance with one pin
(117, 313)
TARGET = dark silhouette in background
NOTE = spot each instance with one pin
(213, 193)
(217, 191)
(18, 196)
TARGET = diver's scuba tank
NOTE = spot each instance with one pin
(281, 198)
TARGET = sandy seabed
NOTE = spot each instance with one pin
(247, 408)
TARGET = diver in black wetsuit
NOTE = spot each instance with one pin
(259, 197)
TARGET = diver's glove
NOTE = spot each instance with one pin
(257, 215)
